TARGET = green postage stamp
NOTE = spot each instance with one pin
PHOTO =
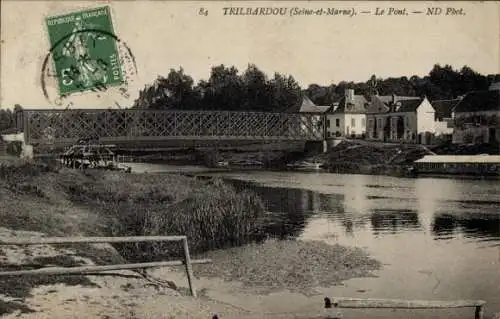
(84, 51)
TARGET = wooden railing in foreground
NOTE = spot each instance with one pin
(96, 269)
(406, 304)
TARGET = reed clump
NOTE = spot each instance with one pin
(212, 214)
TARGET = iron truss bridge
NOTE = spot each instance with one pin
(62, 127)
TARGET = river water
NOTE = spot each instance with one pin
(437, 238)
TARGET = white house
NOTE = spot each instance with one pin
(348, 119)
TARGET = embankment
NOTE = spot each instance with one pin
(41, 200)
(361, 157)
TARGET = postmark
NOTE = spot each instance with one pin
(85, 57)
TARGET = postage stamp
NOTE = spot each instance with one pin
(85, 54)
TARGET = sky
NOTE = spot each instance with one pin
(314, 49)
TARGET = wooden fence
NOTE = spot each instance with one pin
(96, 269)
(355, 303)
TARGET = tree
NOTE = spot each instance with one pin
(7, 120)
(284, 93)
(173, 92)
(256, 91)
(223, 90)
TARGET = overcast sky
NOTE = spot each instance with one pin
(164, 35)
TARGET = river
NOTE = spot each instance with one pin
(437, 238)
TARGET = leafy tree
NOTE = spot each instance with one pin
(6, 119)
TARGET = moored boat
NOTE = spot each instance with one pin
(305, 165)
(466, 165)
(95, 156)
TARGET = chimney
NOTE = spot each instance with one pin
(335, 106)
(349, 96)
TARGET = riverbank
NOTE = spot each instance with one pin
(41, 200)
(349, 157)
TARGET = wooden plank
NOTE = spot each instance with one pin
(97, 269)
(88, 240)
(405, 304)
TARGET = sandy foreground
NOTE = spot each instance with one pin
(125, 294)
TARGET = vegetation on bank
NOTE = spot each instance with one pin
(211, 213)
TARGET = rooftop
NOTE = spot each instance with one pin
(359, 106)
(487, 100)
(309, 107)
(444, 108)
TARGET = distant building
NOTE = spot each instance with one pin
(400, 119)
(475, 117)
(309, 107)
(348, 117)
(443, 120)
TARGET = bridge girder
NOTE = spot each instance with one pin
(67, 126)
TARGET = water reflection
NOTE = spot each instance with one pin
(384, 221)
(387, 209)
(483, 226)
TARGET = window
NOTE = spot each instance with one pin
(328, 123)
(353, 122)
(379, 122)
(337, 122)
(363, 122)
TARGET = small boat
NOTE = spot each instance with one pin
(305, 165)
(246, 163)
(93, 156)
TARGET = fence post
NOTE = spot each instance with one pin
(189, 270)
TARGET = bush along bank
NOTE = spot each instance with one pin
(211, 214)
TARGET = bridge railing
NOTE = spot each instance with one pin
(187, 262)
(43, 126)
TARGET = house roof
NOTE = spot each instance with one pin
(479, 101)
(444, 108)
(309, 107)
(393, 103)
(358, 107)
(404, 106)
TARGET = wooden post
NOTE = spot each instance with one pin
(479, 312)
(189, 270)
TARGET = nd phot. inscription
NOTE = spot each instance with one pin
(338, 11)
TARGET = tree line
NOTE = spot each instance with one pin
(225, 89)
(252, 90)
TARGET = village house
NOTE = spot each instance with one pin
(348, 117)
(443, 120)
(406, 119)
(475, 117)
